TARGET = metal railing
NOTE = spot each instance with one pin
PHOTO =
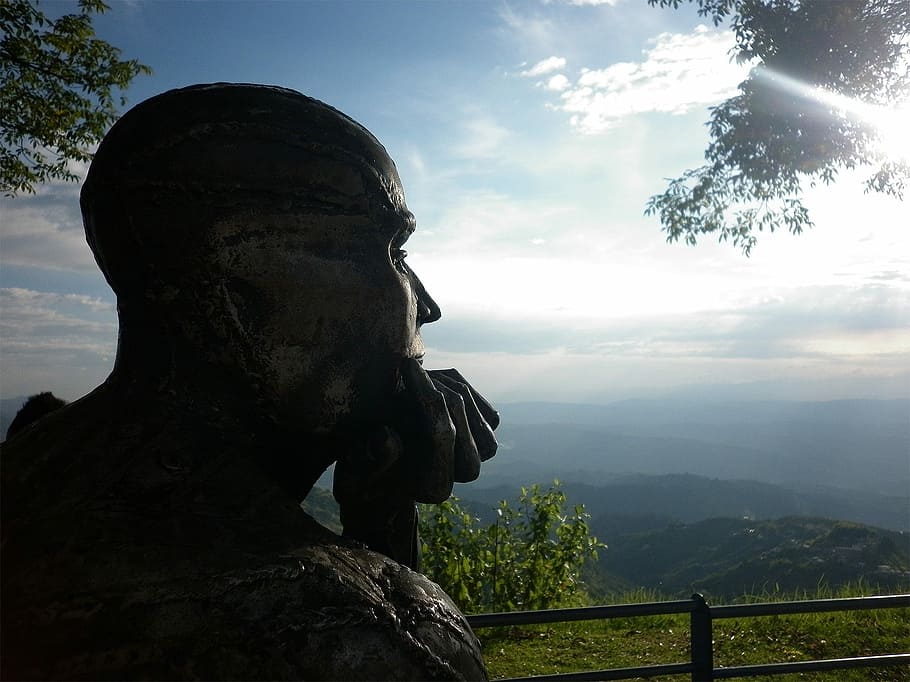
(701, 617)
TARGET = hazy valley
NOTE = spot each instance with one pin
(861, 445)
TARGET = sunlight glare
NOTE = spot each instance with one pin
(889, 121)
(893, 124)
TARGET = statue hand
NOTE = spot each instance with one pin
(438, 430)
(453, 430)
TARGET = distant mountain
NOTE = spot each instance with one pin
(850, 444)
(321, 505)
(728, 558)
(687, 498)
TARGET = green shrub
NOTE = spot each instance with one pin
(529, 558)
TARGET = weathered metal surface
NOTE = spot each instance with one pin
(269, 326)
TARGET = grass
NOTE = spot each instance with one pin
(628, 642)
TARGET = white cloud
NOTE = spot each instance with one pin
(528, 31)
(563, 376)
(834, 323)
(20, 300)
(62, 342)
(482, 138)
(558, 83)
(582, 308)
(45, 230)
(801, 335)
(480, 228)
(678, 72)
(545, 66)
(416, 162)
(583, 3)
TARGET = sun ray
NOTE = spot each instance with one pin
(889, 122)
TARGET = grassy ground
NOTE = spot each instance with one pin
(627, 642)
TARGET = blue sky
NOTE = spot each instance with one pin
(528, 136)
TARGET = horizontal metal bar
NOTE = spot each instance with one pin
(687, 606)
(811, 606)
(484, 620)
(612, 674)
(809, 666)
(720, 673)
(487, 620)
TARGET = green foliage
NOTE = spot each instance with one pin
(802, 115)
(57, 91)
(529, 558)
(321, 505)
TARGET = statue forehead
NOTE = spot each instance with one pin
(242, 137)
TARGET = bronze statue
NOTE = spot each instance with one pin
(269, 326)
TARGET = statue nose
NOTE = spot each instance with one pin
(427, 309)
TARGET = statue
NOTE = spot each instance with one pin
(269, 326)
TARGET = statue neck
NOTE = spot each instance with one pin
(179, 356)
(196, 373)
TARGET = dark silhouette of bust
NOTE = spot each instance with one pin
(269, 326)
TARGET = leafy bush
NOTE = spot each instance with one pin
(529, 558)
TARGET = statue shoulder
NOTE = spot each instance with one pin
(322, 611)
(338, 611)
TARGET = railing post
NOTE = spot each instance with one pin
(701, 641)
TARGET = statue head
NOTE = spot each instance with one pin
(254, 237)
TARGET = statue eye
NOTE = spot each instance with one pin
(396, 253)
(398, 256)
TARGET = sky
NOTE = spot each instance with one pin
(528, 136)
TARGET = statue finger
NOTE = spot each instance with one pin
(481, 431)
(490, 414)
(434, 464)
(467, 459)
